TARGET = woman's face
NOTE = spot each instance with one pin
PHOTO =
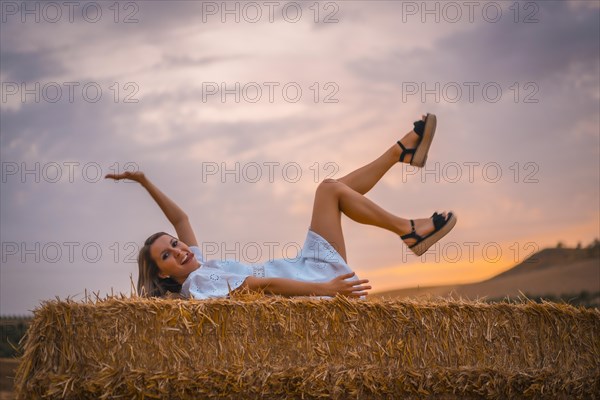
(173, 257)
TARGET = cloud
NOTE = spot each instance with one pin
(28, 66)
(502, 51)
(172, 132)
(516, 51)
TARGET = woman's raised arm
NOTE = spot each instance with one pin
(174, 214)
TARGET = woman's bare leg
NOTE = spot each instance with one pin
(364, 178)
(334, 198)
(327, 216)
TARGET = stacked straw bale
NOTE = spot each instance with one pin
(273, 347)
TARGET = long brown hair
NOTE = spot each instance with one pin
(149, 283)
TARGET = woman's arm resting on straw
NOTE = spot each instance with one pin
(291, 287)
(174, 214)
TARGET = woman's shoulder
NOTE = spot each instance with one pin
(222, 266)
(215, 278)
(197, 253)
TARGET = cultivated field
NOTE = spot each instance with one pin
(8, 367)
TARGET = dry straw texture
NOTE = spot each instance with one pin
(272, 348)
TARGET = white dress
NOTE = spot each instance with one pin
(317, 262)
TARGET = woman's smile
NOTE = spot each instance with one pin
(187, 257)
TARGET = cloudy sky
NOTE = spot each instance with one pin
(238, 109)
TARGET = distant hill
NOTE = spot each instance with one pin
(551, 257)
(554, 273)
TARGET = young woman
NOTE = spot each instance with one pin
(176, 264)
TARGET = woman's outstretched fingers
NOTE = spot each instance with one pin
(351, 288)
(358, 291)
(133, 175)
(117, 177)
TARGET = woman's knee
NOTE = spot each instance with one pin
(330, 186)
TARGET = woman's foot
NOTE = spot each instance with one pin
(425, 232)
(414, 146)
(410, 141)
(423, 227)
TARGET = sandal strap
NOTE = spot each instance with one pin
(413, 234)
(405, 151)
(439, 221)
(419, 127)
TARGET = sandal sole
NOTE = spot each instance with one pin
(420, 155)
(423, 246)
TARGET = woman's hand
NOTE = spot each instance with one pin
(137, 176)
(340, 285)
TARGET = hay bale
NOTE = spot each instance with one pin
(272, 347)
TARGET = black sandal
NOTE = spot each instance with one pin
(426, 131)
(442, 227)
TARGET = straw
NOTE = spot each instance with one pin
(255, 346)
